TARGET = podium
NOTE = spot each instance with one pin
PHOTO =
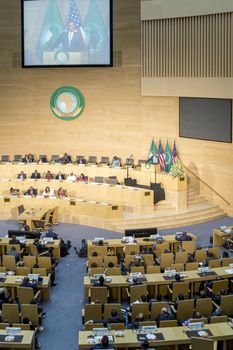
(64, 57)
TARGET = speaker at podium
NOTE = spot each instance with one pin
(64, 58)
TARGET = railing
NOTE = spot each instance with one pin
(208, 186)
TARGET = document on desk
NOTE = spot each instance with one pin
(229, 271)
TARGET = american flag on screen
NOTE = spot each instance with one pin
(161, 157)
(73, 16)
(174, 154)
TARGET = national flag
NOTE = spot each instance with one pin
(161, 157)
(96, 34)
(168, 158)
(174, 154)
(74, 16)
(51, 29)
(153, 152)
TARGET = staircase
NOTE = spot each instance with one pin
(165, 216)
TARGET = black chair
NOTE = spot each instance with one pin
(129, 162)
(92, 159)
(43, 158)
(55, 158)
(17, 158)
(104, 160)
(5, 158)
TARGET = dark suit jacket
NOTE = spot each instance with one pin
(36, 176)
(76, 44)
(34, 193)
(24, 176)
(62, 177)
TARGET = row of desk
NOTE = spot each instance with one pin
(159, 279)
(172, 336)
(141, 242)
(123, 195)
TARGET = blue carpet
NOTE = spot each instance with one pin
(63, 319)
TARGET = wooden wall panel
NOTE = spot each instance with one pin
(116, 120)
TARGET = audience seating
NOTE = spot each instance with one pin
(226, 304)
(217, 319)
(181, 257)
(204, 306)
(191, 266)
(95, 270)
(135, 292)
(189, 246)
(113, 271)
(153, 269)
(203, 344)
(29, 261)
(23, 271)
(179, 288)
(109, 259)
(185, 309)
(9, 262)
(98, 293)
(92, 312)
(214, 263)
(109, 307)
(139, 308)
(166, 260)
(168, 323)
(117, 326)
(26, 295)
(217, 285)
(30, 311)
(200, 255)
(10, 313)
(156, 308)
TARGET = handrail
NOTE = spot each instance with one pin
(196, 176)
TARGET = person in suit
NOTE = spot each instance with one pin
(48, 175)
(21, 176)
(27, 284)
(100, 282)
(14, 240)
(35, 175)
(115, 318)
(66, 158)
(60, 176)
(31, 192)
(71, 40)
(164, 315)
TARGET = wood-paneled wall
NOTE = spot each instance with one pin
(116, 120)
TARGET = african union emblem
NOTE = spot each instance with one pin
(67, 103)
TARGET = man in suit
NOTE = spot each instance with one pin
(21, 176)
(35, 175)
(60, 176)
(31, 192)
(71, 40)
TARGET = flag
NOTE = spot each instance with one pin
(73, 16)
(161, 157)
(153, 152)
(51, 29)
(96, 34)
(168, 158)
(174, 154)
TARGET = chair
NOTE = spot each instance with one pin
(44, 223)
(215, 251)
(100, 250)
(181, 257)
(179, 288)
(95, 270)
(109, 307)
(2, 269)
(43, 158)
(92, 312)
(217, 285)
(148, 259)
(22, 271)
(55, 158)
(104, 160)
(10, 313)
(189, 246)
(110, 259)
(147, 323)
(30, 311)
(53, 219)
(178, 267)
(92, 159)
(135, 292)
(203, 344)
(168, 323)
(4, 325)
(166, 260)
(185, 309)
(91, 326)
(214, 263)
(152, 269)
(200, 319)
(25, 295)
(39, 271)
(156, 308)
(219, 319)
(137, 269)
(5, 158)
(98, 293)
(129, 162)
(204, 306)
(161, 247)
(191, 266)
(140, 308)
(117, 326)
(81, 159)
(129, 248)
(45, 262)
(200, 255)
(98, 260)
(113, 271)
(17, 158)
(24, 327)
(9, 262)
(227, 261)
(29, 260)
(99, 179)
(226, 304)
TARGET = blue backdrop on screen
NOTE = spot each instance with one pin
(66, 32)
(206, 118)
